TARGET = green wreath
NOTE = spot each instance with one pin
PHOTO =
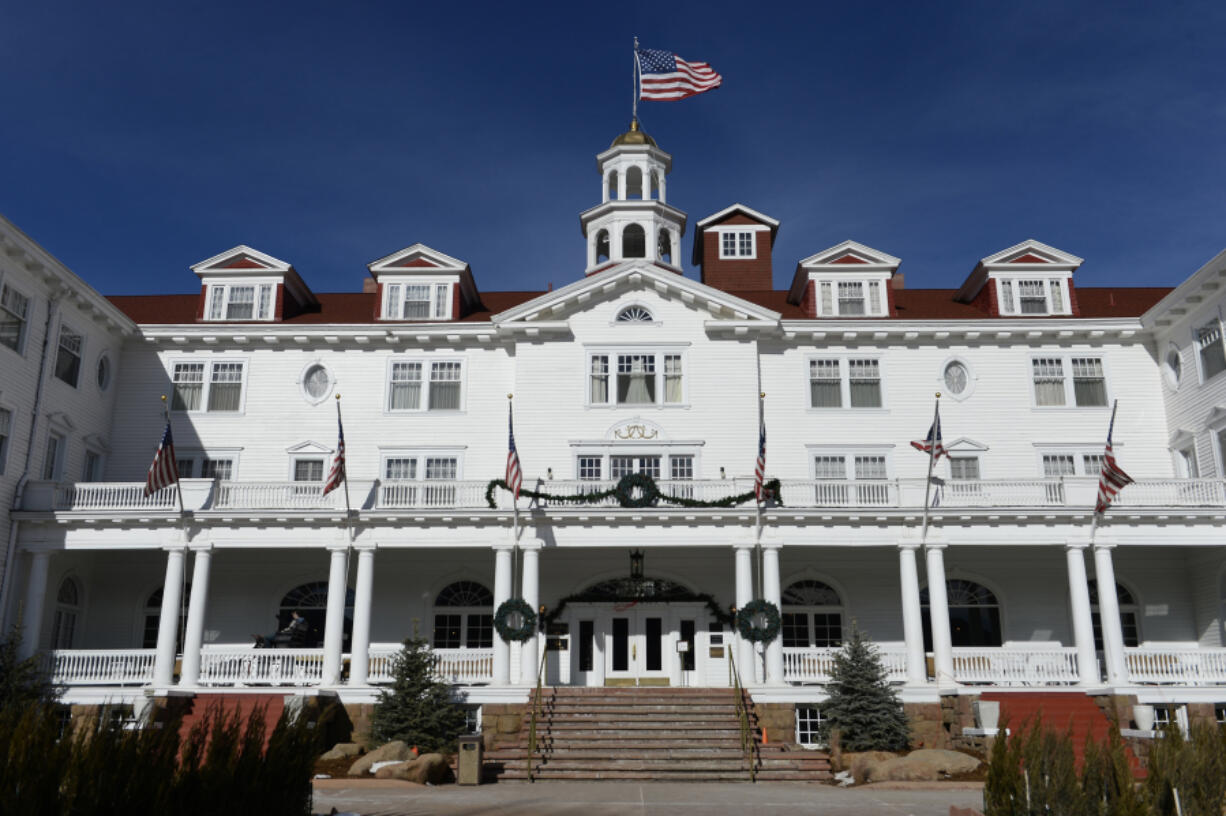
(747, 625)
(648, 492)
(527, 626)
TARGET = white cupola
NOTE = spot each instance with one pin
(632, 220)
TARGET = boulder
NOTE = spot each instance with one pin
(924, 764)
(392, 751)
(858, 762)
(343, 750)
(426, 769)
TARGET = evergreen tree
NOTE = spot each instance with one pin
(22, 682)
(418, 708)
(861, 705)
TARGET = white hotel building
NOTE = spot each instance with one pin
(631, 368)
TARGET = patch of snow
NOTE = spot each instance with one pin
(375, 766)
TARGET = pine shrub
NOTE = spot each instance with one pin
(418, 708)
(861, 704)
(22, 682)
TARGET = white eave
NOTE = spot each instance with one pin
(874, 260)
(441, 261)
(1190, 295)
(209, 266)
(741, 208)
(987, 329)
(249, 335)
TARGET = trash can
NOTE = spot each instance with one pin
(468, 762)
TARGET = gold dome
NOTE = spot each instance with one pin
(634, 136)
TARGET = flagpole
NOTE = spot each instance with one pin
(1094, 516)
(178, 484)
(634, 81)
(932, 455)
(344, 465)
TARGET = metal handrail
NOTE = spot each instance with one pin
(536, 705)
(742, 710)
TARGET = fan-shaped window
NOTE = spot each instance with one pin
(1128, 615)
(634, 242)
(812, 615)
(664, 247)
(634, 314)
(974, 615)
(464, 617)
(311, 601)
(602, 246)
(67, 608)
(153, 616)
(634, 183)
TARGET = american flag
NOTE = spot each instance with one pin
(515, 476)
(759, 471)
(664, 75)
(336, 476)
(165, 469)
(932, 442)
(1112, 479)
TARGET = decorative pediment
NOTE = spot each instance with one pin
(636, 429)
(60, 421)
(308, 448)
(1032, 253)
(97, 442)
(417, 258)
(965, 444)
(632, 276)
(851, 254)
(242, 260)
(1216, 418)
(1182, 438)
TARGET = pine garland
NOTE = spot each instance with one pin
(623, 491)
(861, 704)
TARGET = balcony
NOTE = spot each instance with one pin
(203, 495)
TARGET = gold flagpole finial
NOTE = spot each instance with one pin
(938, 395)
(762, 395)
(338, 396)
(510, 396)
(163, 398)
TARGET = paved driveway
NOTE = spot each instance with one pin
(652, 799)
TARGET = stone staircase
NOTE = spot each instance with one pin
(648, 734)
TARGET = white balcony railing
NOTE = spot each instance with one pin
(461, 666)
(813, 665)
(99, 667)
(1190, 666)
(203, 494)
(245, 665)
(1003, 666)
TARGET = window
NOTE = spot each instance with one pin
(854, 382)
(103, 375)
(67, 607)
(1186, 465)
(850, 298)
(641, 378)
(681, 467)
(443, 385)
(1033, 296)
(842, 470)
(812, 615)
(464, 617)
(231, 301)
(420, 479)
(1128, 615)
(309, 470)
(1211, 350)
(68, 357)
(1086, 388)
(203, 466)
(620, 466)
(316, 382)
(153, 617)
(14, 312)
(221, 390)
(6, 431)
(1219, 713)
(964, 476)
(957, 379)
(589, 468)
(809, 727)
(417, 301)
(974, 615)
(311, 602)
(92, 472)
(634, 314)
(53, 459)
(1172, 368)
(737, 244)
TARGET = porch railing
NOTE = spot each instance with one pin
(412, 495)
(813, 665)
(99, 667)
(112, 496)
(275, 496)
(1016, 667)
(1175, 666)
(459, 666)
(243, 666)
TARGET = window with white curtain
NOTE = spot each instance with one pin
(859, 477)
(240, 301)
(861, 297)
(636, 378)
(851, 298)
(214, 386)
(854, 382)
(1086, 388)
(1033, 296)
(432, 385)
(416, 301)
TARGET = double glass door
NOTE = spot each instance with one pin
(636, 646)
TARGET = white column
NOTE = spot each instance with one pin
(646, 172)
(363, 600)
(621, 184)
(745, 658)
(664, 199)
(334, 624)
(773, 592)
(912, 615)
(193, 639)
(1109, 616)
(530, 656)
(502, 592)
(604, 188)
(168, 620)
(1083, 625)
(36, 596)
(938, 613)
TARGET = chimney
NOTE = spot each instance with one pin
(369, 285)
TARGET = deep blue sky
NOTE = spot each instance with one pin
(141, 137)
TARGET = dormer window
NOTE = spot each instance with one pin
(1030, 296)
(736, 244)
(634, 314)
(233, 301)
(417, 301)
(850, 298)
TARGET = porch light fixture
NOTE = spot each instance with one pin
(722, 475)
(549, 473)
(636, 565)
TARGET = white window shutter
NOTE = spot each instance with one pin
(391, 301)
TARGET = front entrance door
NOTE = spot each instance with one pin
(637, 651)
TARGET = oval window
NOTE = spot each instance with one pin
(316, 382)
(1172, 368)
(104, 373)
(956, 378)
